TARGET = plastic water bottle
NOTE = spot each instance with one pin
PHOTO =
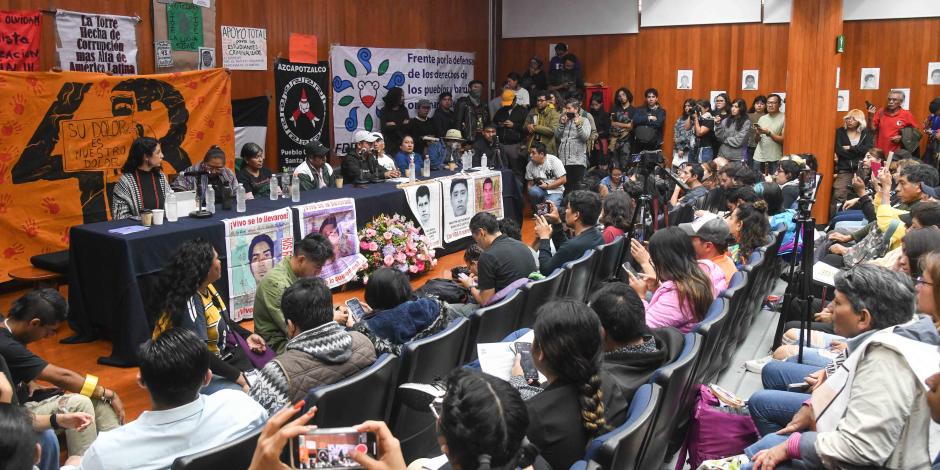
(295, 189)
(210, 199)
(411, 168)
(172, 207)
(466, 160)
(483, 161)
(272, 186)
(426, 168)
(240, 198)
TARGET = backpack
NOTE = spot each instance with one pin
(874, 245)
(715, 433)
(645, 136)
(445, 290)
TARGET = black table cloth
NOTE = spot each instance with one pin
(109, 272)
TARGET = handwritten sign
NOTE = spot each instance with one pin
(96, 144)
(184, 26)
(97, 43)
(19, 40)
(244, 48)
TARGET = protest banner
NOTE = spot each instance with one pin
(182, 32)
(458, 195)
(244, 48)
(424, 199)
(363, 75)
(336, 220)
(19, 40)
(254, 245)
(89, 42)
(68, 134)
(184, 26)
(489, 192)
(300, 91)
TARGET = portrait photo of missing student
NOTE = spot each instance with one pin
(489, 195)
(842, 102)
(870, 78)
(933, 73)
(684, 80)
(749, 79)
(459, 196)
(206, 58)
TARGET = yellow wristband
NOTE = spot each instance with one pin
(91, 383)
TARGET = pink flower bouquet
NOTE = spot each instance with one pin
(395, 242)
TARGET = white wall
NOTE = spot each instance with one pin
(696, 12)
(550, 18)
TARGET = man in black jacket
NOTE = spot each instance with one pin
(443, 118)
(509, 122)
(581, 212)
(472, 113)
(485, 144)
(360, 165)
(421, 126)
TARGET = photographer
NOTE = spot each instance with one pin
(583, 208)
(360, 165)
(853, 140)
(573, 132)
(704, 125)
(691, 174)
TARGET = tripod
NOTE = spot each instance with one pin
(645, 206)
(800, 288)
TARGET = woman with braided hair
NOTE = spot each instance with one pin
(579, 401)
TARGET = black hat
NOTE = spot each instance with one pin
(315, 149)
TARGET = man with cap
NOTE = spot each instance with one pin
(360, 165)
(315, 172)
(421, 126)
(380, 156)
(510, 124)
(710, 239)
(447, 150)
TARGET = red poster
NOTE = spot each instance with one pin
(19, 40)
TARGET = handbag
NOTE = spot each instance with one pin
(714, 432)
(256, 359)
(874, 245)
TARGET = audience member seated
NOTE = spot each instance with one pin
(788, 177)
(616, 215)
(381, 157)
(504, 260)
(21, 447)
(613, 181)
(717, 198)
(212, 165)
(545, 176)
(318, 352)
(873, 411)
(632, 351)
(691, 174)
(581, 400)
(173, 367)
(360, 165)
(511, 229)
(710, 239)
(683, 287)
(315, 172)
(253, 175)
(751, 230)
(185, 298)
(393, 316)
(35, 316)
(310, 254)
(406, 155)
(143, 185)
(581, 212)
(779, 216)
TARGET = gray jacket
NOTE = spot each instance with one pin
(572, 142)
(733, 140)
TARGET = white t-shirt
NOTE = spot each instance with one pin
(549, 171)
(386, 162)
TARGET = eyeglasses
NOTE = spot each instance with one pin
(921, 281)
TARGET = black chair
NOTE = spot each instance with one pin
(341, 404)
(711, 329)
(235, 455)
(676, 380)
(608, 261)
(540, 292)
(737, 295)
(582, 273)
(620, 448)
(425, 361)
(492, 323)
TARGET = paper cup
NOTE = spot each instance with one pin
(157, 216)
(339, 181)
(146, 218)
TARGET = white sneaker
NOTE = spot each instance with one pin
(756, 365)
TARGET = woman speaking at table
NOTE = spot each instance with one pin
(142, 186)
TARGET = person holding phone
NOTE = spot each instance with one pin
(545, 176)
(572, 133)
(853, 140)
(888, 122)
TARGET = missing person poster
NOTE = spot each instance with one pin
(458, 197)
(489, 193)
(89, 42)
(335, 220)
(424, 199)
(254, 244)
(300, 96)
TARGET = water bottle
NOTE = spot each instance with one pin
(172, 207)
(426, 168)
(483, 161)
(295, 189)
(411, 168)
(210, 199)
(466, 160)
(240, 198)
(272, 186)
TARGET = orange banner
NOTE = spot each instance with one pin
(64, 137)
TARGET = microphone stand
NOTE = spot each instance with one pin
(202, 212)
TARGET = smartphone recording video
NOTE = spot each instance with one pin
(529, 372)
(541, 208)
(329, 448)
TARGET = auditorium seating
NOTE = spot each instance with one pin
(540, 292)
(235, 455)
(492, 323)
(582, 274)
(377, 382)
(621, 447)
(608, 261)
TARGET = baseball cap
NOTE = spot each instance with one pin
(508, 96)
(378, 136)
(708, 227)
(363, 136)
(315, 148)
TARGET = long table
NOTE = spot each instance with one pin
(110, 273)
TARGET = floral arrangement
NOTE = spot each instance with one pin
(395, 242)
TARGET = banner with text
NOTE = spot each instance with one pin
(89, 42)
(254, 244)
(183, 35)
(458, 195)
(67, 134)
(363, 75)
(424, 199)
(19, 40)
(244, 48)
(335, 220)
(301, 110)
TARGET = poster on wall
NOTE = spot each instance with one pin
(488, 188)
(424, 199)
(19, 40)
(89, 42)
(870, 78)
(244, 48)
(842, 101)
(254, 244)
(750, 79)
(457, 197)
(66, 141)
(336, 220)
(186, 28)
(684, 80)
(933, 73)
(363, 75)
(300, 103)
(206, 58)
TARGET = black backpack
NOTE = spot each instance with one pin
(445, 290)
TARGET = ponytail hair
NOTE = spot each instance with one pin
(568, 333)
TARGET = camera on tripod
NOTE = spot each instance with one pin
(646, 161)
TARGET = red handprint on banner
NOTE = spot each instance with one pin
(10, 127)
(5, 200)
(52, 207)
(65, 235)
(30, 227)
(34, 84)
(197, 134)
(208, 122)
(11, 251)
(18, 103)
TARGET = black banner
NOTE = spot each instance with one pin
(301, 109)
